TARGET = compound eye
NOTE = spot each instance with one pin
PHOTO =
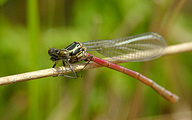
(52, 51)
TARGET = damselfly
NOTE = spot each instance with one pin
(141, 47)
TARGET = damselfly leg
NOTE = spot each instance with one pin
(87, 58)
(61, 54)
(74, 73)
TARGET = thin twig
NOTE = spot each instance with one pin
(180, 48)
(170, 50)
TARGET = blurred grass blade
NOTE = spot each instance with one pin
(33, 30)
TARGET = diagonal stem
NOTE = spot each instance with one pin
(170, 50)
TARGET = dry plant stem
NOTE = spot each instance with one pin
(180, 48)
(43, 73)
(174, 49)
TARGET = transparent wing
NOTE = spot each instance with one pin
(141, 47)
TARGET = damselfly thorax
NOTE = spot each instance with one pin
(72, 53)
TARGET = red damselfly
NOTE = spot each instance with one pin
(141, 47)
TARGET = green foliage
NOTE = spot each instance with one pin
(2, 2)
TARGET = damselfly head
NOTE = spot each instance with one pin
(58, 54)
(53, 52)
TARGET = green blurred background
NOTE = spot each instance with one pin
(29, 27)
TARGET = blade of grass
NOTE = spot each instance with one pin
(33, 30)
